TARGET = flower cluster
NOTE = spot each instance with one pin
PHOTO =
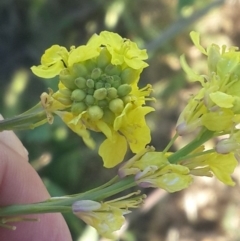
(98, 91)
(216, 106)
(152, 169)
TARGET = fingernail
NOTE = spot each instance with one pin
(11, 140)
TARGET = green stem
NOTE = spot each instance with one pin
(180, 154)
(28, 120)
(170, 143)
(64, 205)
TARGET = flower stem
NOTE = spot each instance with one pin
(180, 154)
(65, 204)
(28, 120)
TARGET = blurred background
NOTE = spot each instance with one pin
(206, 211)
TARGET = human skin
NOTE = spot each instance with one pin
(20, 184)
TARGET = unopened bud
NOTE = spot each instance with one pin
(112, 70)
(96, 73)
(90, 83)
(95, 112)
(104, 58)
(78, 95)
(67, 79)
(78, 108)
(116, 105)
(124, 90)
(85, 206)
(99, 85)
(112, 93)
(226, 146)
(100, 94)
(79, 70)
(102, 103)
(80, 82)
(129, 76)
(89, 100)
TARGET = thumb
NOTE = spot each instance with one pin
(20, 184)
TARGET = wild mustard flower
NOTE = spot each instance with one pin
(106, 217)
(153, 169)
(98, 91)
(209, 164)
(216, 106)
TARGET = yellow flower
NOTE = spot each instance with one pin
(221, 165)
(98, 86)
(219, 99)
(152, 169)
(106, 217)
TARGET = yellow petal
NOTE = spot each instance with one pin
(223, 166)
(48, 71)
(196, 40)
(82, 53)
(222, 99)
(113, 151)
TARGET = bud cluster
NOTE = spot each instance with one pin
(97, 86)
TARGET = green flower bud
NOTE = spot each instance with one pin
(90, 83)
(79, 70)
(65, 101)
(67, 79)
(124, 89)
(100, 94)
(95, 112)
(65, 92)
(108, 116)
(129, 76)
(112, 93)
(89, 100)
(90, 91)
(96, 73)
(116, 83)
(113, 69)
(104, 58)
(126, 99)
(102, 103)
(78, 95)
(99, 85)
(90, 65)
(116, 78)
(78, 108)
(116, 106)
(80, 82)
(107, 85)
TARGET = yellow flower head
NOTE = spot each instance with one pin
(98, 87)
(106, 217)
(216, 107)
